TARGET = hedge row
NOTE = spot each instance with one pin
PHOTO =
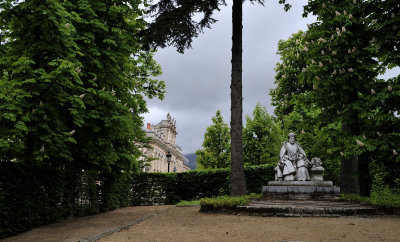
(170, 188)
(34, 196)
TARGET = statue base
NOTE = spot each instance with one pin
(300, 190)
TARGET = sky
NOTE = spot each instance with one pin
(198, 81)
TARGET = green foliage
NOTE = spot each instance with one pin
(384, 199)
(73, 83)
(154, 189)
(262, 138)
(328, 84)
(357, 40)
(170, 188)
(184, 203)
(299, 112)
(32, 196)
(258, 176)
(114, 191)
(226, 202)
(29, 197)
(174, 23)
(197, 184)
(216, 145)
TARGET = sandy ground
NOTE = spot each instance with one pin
(187, 224)
(86, 227)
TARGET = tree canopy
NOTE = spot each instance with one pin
(73, 83)
(216, 145)
(262, 138)
(329, 83)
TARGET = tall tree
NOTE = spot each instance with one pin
(262, 138)
(216, 145)
(238, 181)
(351, 84)
(336, 65)
(73, 83)
(174, 25)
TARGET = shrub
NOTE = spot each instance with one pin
(188, 203)
(226, 202)
(384, 199)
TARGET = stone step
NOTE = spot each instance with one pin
(301, 183)
(293, 208)
(301, 190)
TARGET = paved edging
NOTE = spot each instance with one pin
(300, 208)
(102, 235)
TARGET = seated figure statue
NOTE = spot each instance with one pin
(293, 162)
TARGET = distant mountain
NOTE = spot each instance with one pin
(192, 160)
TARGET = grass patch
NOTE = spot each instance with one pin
(381, 199)
(226, 202)
(188, 203)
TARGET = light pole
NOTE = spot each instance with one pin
(169, 159)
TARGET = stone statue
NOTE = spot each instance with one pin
(316, 169)
(293, 163)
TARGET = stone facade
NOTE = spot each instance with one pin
(163, 140)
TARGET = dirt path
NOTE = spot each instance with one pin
(83, 228)
(187, 224)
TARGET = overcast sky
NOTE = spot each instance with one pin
(198, 81)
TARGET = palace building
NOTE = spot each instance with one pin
(163, 151)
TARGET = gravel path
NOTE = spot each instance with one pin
(81, 229)
(170, 223)
(187, 224)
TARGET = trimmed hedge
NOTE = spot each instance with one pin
(170, 188)
(29, 197)
(35, 196)
(154, 189)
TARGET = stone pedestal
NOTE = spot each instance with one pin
(300, 190)
(316, 173)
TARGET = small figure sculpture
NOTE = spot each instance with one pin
(316, 169)
(293, 162)
(302, 165)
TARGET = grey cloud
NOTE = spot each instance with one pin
(198, 82)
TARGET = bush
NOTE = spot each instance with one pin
(384, 199)
(226, 202)
(188, 203)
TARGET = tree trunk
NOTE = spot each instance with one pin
(238, 182)
(364, 178)
(349, 170)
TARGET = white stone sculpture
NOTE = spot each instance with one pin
(293, 163)
(316, 169)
